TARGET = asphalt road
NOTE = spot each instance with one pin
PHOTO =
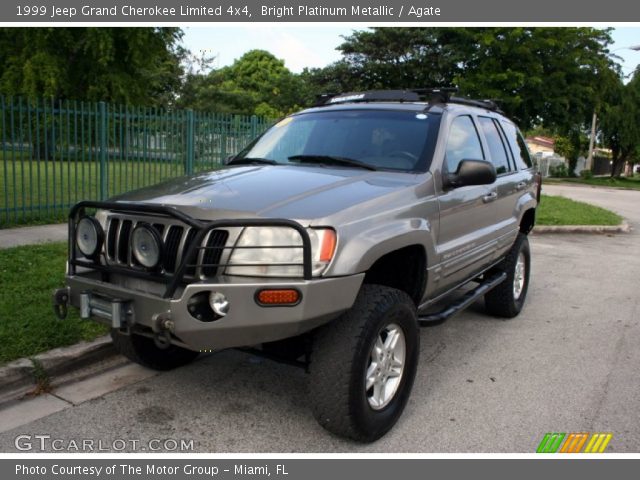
(569, 363)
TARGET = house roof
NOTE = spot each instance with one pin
(542, 141)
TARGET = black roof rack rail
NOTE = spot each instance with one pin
(436, 94)
(369, 96)
(488, 104)
(432, 96)
(322, 98)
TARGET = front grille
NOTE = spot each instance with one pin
(176, 238)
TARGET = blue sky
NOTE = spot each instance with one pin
(299, 46)
(314, 46)
(624, 38)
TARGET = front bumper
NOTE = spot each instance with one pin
(247, 322)
(165, 305)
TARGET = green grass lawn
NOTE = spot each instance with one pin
(563, 211)
(632, 183)
(28, 276)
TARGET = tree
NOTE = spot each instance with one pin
(391, 58)
(125, 65)
(620, 123)
(257, 83)
(548, 76)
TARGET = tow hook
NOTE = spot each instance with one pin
(60, 301)
(162, 328)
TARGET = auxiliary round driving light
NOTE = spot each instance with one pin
(219, 303)
(89, 237)
(146, 245)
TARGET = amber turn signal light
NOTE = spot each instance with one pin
(288, 296)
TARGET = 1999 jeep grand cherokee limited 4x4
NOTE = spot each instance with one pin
(328, 240)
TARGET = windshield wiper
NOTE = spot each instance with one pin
(252, 161)
(330, 159)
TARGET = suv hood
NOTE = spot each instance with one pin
(296, 192)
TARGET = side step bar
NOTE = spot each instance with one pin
(463, 302)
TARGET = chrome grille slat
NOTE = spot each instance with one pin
(183, 240)
(112, 234)
(172, 244)
(116, 257)
(200, 257)
(188, 240)
(124, 236)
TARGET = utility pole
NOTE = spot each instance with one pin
(592, 141)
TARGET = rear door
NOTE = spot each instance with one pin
(507, 185)
(466, 234)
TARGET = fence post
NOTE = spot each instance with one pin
(254, 127)
(103, 151)
(188, 167)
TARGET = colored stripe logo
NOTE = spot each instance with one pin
(574, 442)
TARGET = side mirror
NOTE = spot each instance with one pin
(227, 159)
(472, 172)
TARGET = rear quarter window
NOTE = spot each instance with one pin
(517, 145)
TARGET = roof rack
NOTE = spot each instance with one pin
(433, 96)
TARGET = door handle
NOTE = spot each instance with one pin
(490, 197)
(521, 186)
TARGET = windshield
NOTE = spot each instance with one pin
(374, 139)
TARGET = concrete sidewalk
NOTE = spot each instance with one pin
(14, 237)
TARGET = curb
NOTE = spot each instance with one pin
(19, 377)
(578, 184)
(588, 229)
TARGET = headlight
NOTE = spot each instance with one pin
(251, 258)
(146, 245)
(89, 237)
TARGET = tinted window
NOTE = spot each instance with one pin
(518, 147)
(393, 140)
(463, 143)
(497, 149)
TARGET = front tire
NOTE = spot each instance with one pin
(363, 365)
(143, 350)
(507, 299)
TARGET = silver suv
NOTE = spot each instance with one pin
(327, 242)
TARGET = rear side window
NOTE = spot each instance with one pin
(518, 147)
(497, 148)
(463, 143)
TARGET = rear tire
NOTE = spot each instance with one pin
(376, 345)
(143, 350)
(507, 299)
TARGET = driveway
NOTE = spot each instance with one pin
(569, 363)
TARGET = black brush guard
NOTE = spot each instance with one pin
(173, 281)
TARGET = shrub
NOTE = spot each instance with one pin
(559, 170)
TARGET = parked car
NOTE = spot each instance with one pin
(326, 242)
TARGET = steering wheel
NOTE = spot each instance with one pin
(403, 154)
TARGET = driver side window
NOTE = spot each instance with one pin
(463, 143)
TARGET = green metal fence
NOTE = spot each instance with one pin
(54, 154)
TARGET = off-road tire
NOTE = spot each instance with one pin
(501, 301)
(340, 358)
(143, 350)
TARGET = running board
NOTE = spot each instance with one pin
(463, 302)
